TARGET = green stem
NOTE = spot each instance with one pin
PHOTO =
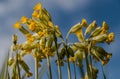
(17, 65)
(49, 66)
(58, 59)
(36, 68)
(68, 65)
(87, 65)
(74, 70)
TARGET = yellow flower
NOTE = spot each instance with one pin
(94, 24)
(32, 25)
(30, 38)
(104, 31)
(110, 38)
(17, 25)
(28, 74)
(72, 59)
(84, 22)
(40, 33)
(105, 26)
(38, 6)
(24, 19)
(50, 24)
(79, 34)
(36, 14)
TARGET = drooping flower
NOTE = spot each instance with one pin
(36, 14)
(38, 6)
(50, 24)
(17, 25)
(24, 19)
(110, 38)
(30, 38)
(84, 22)
(29, 74)
(32, 25)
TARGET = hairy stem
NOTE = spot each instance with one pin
(36, 68)
(49, 66)
(17, 65)
(58, 59)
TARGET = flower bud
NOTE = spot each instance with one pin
(105, 26)
(96, 32)
(42, 43)
(100, 38)
(11, 61)
(84, 22)
(91, 27)
(14, 39)
(75, 28)
(49, 42)
(23, 30)
(29, 74)
(24, 66)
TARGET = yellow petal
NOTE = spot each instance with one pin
(24, 19)
(84, 22)
(50, 23)
(17, 25)
(36, 14)
(38, 6)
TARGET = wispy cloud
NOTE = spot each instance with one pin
(68, 5)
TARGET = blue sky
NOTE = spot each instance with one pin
(65, 13)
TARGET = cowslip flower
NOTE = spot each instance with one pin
(84, 22)
(24, 19)
(110, 38)
(105, 26)
(17, 25)
(30, 38)
(29, 74)
(32, 25)
(36, 14)
(50, 24)
(79, 34)
(38, 6)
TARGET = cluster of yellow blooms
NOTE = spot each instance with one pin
(87, 43)
(39, 31)
(40, 34)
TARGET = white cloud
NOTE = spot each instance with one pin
(68, 5)
(11, 5)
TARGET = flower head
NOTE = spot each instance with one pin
(36, 14)
(110, 38)
(17, 25)
(50, 23)
(84, 22)
(30, 38)
(38, 6)
(24, 19)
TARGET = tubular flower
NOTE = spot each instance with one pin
(36, 14)
(29, 74)
(38, 6)
(110, 38)
(79, 35)
(50, 23)
(17, 25)
(32, 25)
(105, 26)
(30, 38)
(24, 19)
(84, 22)
(104, 31)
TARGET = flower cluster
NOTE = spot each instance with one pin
(41, 42)
(87, 47)
(40, 33)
